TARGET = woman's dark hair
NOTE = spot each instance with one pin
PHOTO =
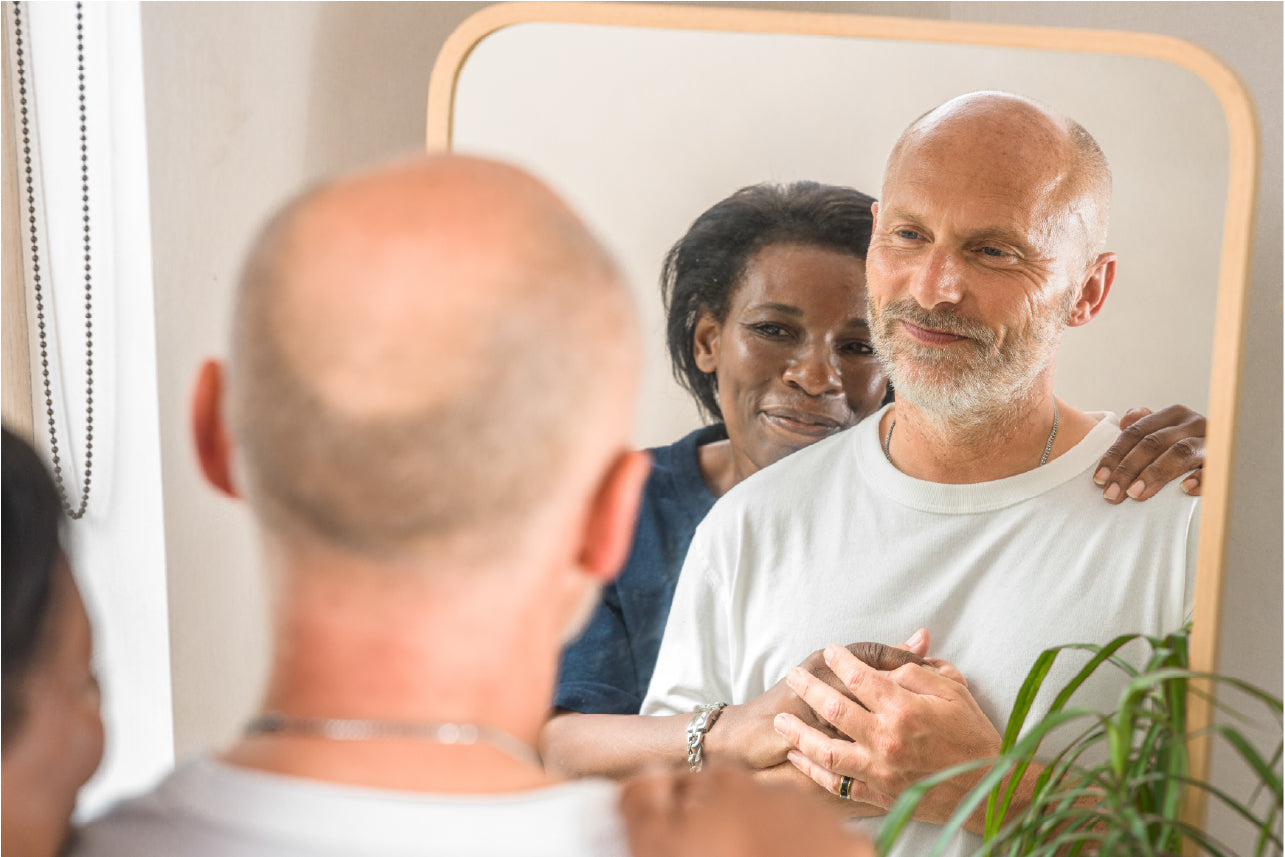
(704, 269)
(32, 514)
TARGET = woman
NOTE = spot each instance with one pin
(52, 734)
(766, 316)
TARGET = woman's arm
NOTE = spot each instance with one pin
(611, 745)
(574, 744)
(1153, 449)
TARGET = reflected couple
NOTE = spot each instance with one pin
(766, 305)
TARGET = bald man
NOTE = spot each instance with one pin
(965, 507)
(427, 406)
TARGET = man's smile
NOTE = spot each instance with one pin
(929, 336)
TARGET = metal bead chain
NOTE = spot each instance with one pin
(79, 511)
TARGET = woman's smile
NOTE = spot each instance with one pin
(809, 424)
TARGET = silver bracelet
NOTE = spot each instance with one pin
(703, 717)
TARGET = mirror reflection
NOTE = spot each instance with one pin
(651, 127)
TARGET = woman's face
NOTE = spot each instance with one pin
(793, 359)
(60, 741)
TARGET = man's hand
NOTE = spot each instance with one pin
(745, 733)
(787, 776)
(722, 811)
(1153, 449)
(903, 725)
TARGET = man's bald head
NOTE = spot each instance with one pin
(423, 354)
(1013, 134)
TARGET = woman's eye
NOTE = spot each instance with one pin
(768, 329)
(862, 348)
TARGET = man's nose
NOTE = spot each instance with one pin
(938, 279)
(814, 369)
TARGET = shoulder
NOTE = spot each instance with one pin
(143, 824)
(783, 503)
(800, 478)
(1170, 517)
(682, 452)
(676, 474)
(210, 808)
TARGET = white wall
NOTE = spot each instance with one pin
(248, 102)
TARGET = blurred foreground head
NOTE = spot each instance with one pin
(433, 359)
(52, 731)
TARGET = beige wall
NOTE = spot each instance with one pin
(249, 102)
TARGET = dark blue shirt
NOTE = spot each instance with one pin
(607, 668)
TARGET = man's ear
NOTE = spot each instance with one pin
(1093, 290)
(705, 342)
(213, 443)
(609, 530)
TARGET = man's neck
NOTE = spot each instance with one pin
(958, 452)
(439, 654)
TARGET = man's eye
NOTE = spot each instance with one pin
(908, 234)
(994, 252)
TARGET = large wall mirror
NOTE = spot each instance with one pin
(644, 116)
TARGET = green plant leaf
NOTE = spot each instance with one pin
(997, 804)
(1116, 787)
(1263, 824)
(903, 808)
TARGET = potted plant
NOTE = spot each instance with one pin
(1117, 787)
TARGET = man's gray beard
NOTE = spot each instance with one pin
(972, 384)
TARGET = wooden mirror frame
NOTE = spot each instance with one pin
(1233, 279)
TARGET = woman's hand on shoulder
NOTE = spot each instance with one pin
(1153, 449)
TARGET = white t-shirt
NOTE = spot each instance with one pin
(835, 545)
(206, 808)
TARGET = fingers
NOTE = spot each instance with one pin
(859, 792)
(829, 754)
(881, 689)
(883, 657)
(918, 643)
(867, 685)
(947, 669)
(1152, 450)
(841, 711)
(1132, 415)
(1194, 483)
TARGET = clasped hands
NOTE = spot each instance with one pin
(884, 716)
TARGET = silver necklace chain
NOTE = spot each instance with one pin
(339, 729)
(37, 284)
(1048, 445)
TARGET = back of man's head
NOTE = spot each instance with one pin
(426, 356)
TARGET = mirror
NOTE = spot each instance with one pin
(643, 117)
